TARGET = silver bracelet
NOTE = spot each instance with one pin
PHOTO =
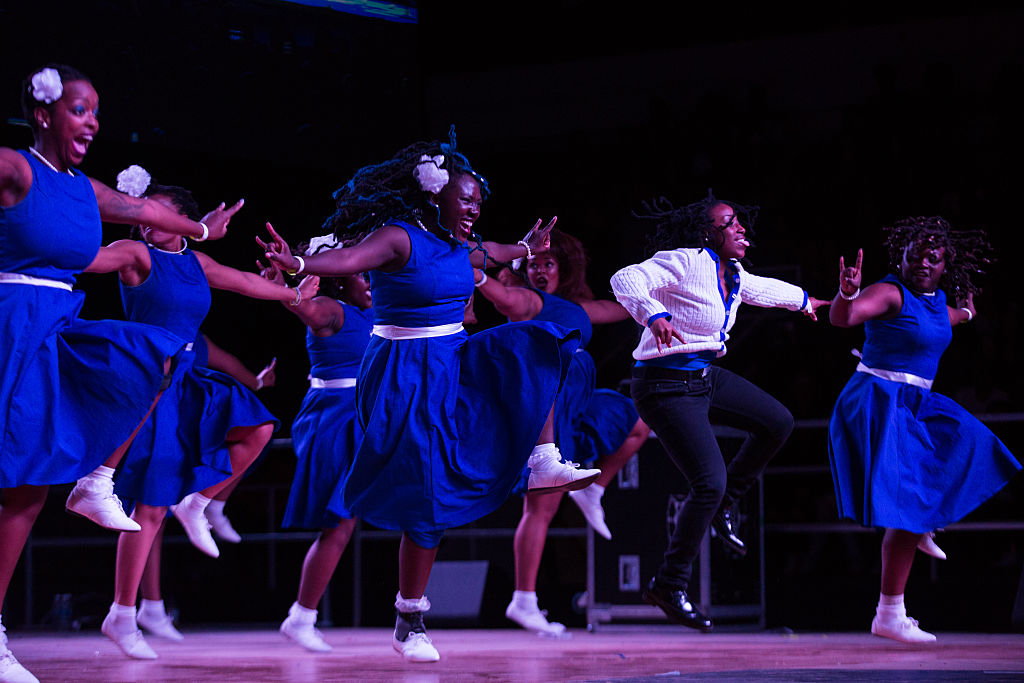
(206, 232)
(302, 266)
(298, 297)
(970, 316)
(529, 252)
(851, 297)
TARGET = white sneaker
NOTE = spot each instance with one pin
(927, 545)
(197, 527)
(899, 627)
(94, 499)
(533, 619)
(159, 625)
(11, 671)
(416, 648)
(589, 502)
(132, 644)
(221, 525)
(548, 473)
(305, 634)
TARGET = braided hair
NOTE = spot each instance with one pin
(382, 193)
(967, 251)
(691, 225)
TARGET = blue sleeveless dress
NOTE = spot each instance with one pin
(71, 391)
(326, 432)
(450, 421)
(181, 448)
(904, 457)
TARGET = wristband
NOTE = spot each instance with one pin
(529, 252)
(298, 297)
(206, 232)
(259, 382)
(302, 266)
(483, 279)
(850, 297)
(970, 316)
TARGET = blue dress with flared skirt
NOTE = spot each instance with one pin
(449, 421)
(71, 390)
(182, 447)
(904, 457)
(325, 432)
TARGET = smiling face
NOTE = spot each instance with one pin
(922, 266)
(458, 203)
(542, 272)
(67, 128)
(728, 239)
(167, 241)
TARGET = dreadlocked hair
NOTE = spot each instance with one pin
(691, 225)
(382, 193)
(967, 251)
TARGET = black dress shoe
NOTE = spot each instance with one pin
(723, 525)
(676, 605)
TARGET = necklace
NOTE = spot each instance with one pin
(46, 161)
(184, 246)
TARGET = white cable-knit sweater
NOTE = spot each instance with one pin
(684, 284)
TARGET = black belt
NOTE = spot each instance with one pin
(652, 372)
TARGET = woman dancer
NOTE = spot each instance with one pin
(326, 434)
(691, 295)
(206, 429)
(558, 292)
(449, 419)
(72, 391)
(152, 614)
(904, 458)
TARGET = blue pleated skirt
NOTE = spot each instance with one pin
(325, 434)
(604, 425)
(449, 423)
(572, 402)
(182, 447)
(906, 458)
(71, 391)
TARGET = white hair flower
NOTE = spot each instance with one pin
(46, 86)
(133, 180)
(322, 243)
(430, 174)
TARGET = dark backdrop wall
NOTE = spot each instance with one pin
(836, 121)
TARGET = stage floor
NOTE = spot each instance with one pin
(614, 653)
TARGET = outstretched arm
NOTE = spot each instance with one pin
(129, 258)
(965, 314)
(219, 359)
(249, 284)
(539, 239)
(118, 207)
(852, 307)
(602, 311)
(386, 248)
(515, 303)
(321, 314)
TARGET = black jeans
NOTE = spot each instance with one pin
(680, 407)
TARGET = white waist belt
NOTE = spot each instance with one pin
(34, 281)
(341, 383)
(894, 376)
(188, 347)
(396, 332)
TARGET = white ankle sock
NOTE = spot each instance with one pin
(303, 614)
(101, 472)
(890, 601)
(197, 500)
(123, 622)
(525, 598)
(155, 607)
(544, 450)
(598, 489)
(216, 506)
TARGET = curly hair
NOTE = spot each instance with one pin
(332, 286)
(29, 103)
(690, 225)
(385, 192)
(571, 257)
(967, 251)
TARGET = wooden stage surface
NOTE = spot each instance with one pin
(614, 653)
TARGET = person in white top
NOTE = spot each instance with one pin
(686, 299)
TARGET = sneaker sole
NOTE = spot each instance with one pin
(102, 526)
(571, 486)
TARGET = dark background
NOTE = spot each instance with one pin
(835, 120)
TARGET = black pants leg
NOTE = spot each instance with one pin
(680, 413)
